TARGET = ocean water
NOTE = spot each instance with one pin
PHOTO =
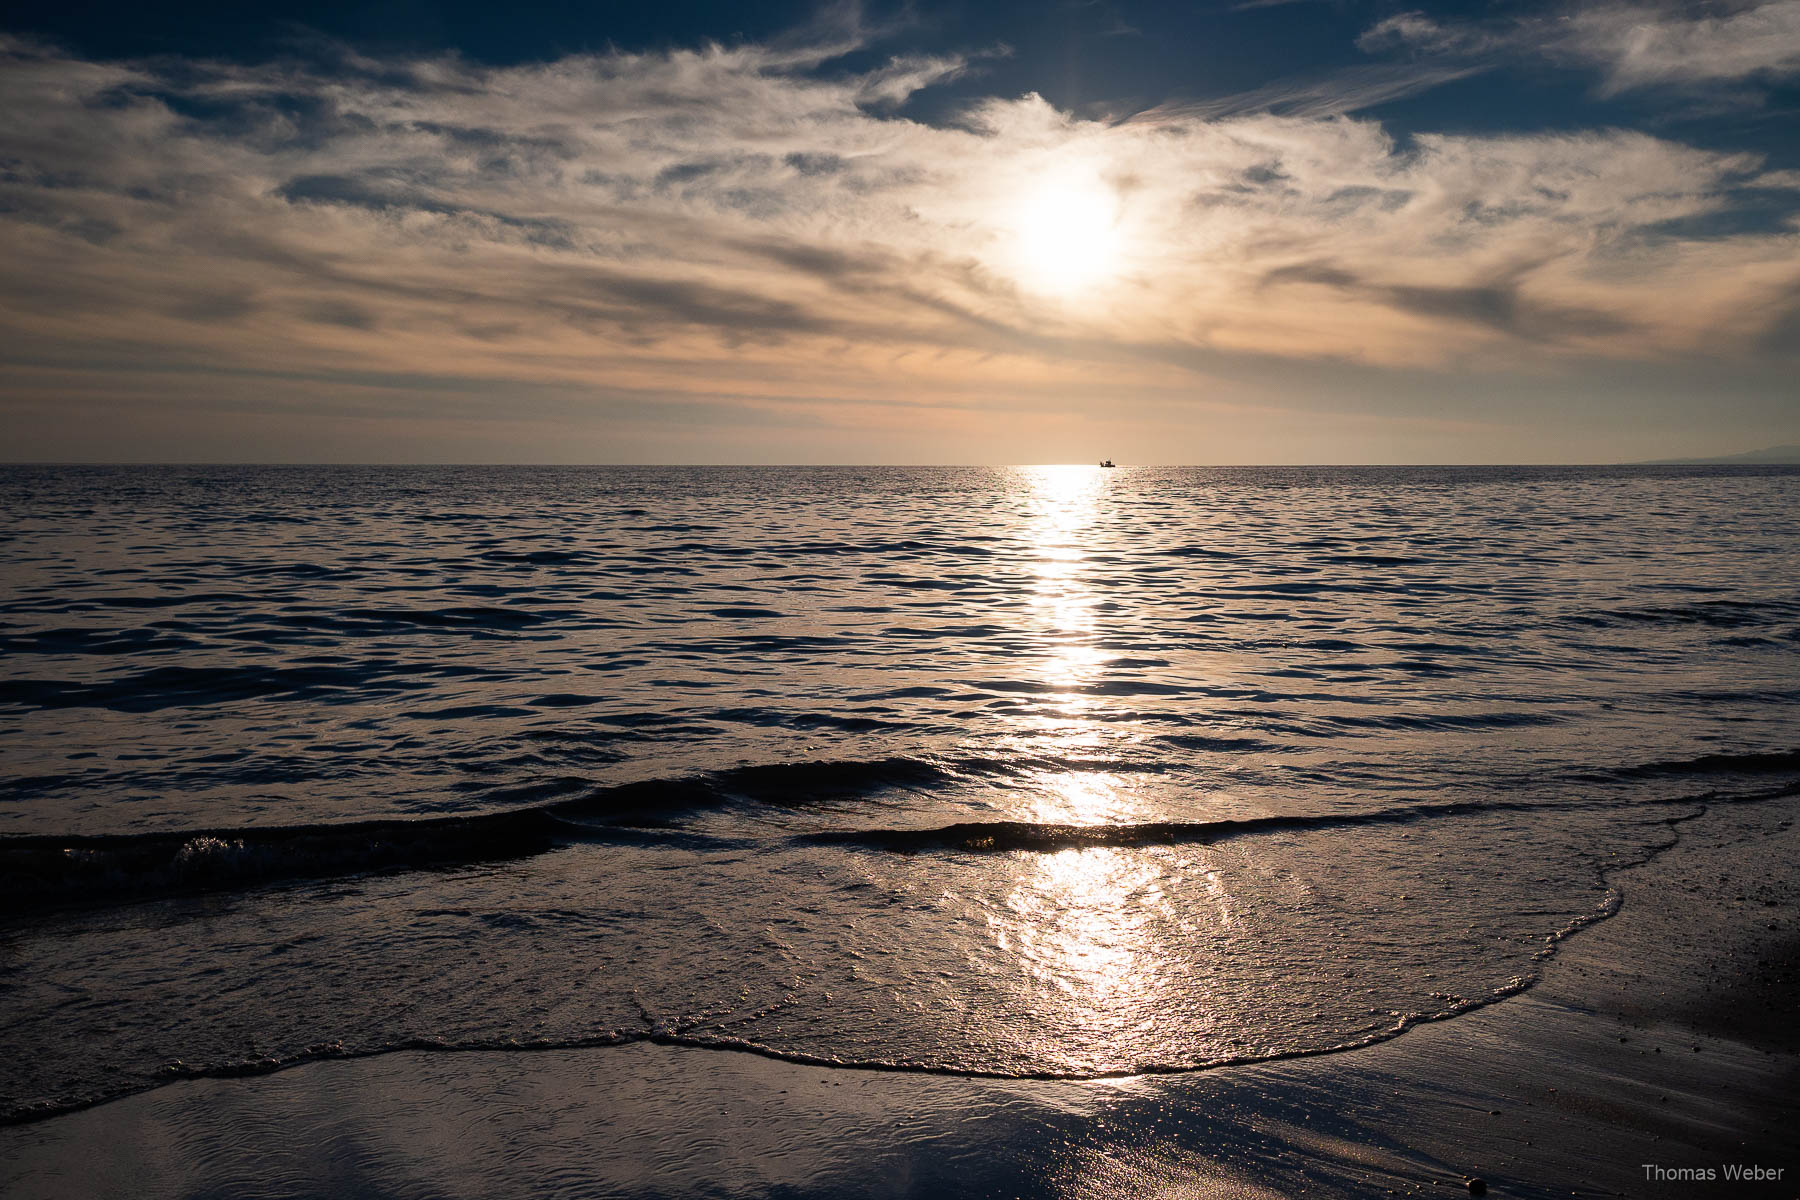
(1039, 772)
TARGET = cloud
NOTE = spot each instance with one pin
(1634, 46)
(756, 223)
(1417, 31)
(1342, 92)
(1642, 47)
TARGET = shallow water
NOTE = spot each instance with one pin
(1052, 771)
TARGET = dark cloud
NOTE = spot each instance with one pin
(1499, 304)
(339, 312)
(1311, 272)
(814, 164)
(1502, 306)
(215, 307)
(388, 189)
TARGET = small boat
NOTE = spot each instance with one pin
(1106, 462)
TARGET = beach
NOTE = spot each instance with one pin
(1664, 1037)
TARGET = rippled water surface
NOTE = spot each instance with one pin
(1046, 771)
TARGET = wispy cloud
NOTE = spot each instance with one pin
(1340, 93)
(1417, 31)
(751, 231)
(1634, 46)
(1640, 47)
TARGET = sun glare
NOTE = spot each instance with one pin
(1067, 231)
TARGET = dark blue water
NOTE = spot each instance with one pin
(1047, 771)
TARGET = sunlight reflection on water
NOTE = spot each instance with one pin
(1083, 924)
(1064, 503)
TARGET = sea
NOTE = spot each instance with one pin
(1037, 772)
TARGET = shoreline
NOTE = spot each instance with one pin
(1664, 1035)
(1607, 908)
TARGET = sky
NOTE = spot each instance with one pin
(1220, 231)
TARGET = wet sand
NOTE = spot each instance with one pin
(1667, 1037)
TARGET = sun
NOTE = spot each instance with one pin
(1066, 232)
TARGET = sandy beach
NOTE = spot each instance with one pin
(1659, 1045)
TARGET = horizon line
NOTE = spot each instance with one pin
(1734, 460)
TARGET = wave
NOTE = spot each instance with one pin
(95, 641)
(92, 603)
(537, 558)
(1717, 614)
(1444, 721)
(37, 870)
(174, 687)
(50, 870)
(468, 618)
(278, 627)
(1751, 763)
(999, 837)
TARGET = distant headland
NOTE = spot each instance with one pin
(1768, 454)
